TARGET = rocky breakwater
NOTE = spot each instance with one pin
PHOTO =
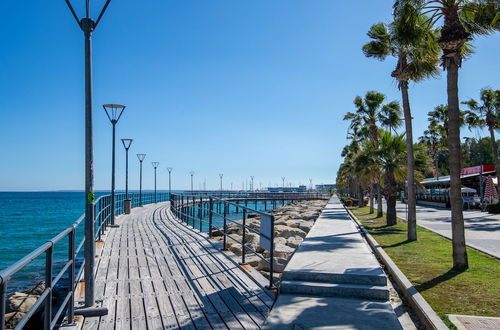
(292, 223)
(19, 303)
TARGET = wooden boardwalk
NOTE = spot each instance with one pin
(155, 273)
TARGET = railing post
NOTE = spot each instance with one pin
(48, 285)
(271, 255)
(243, 236)
(200, 214)
(193, 210)
(101, 227)
(182, 208)
(224, 245)
(72, 257)
(210, 217)
(3, 297)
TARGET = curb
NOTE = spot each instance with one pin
(424, 311)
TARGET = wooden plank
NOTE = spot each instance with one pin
(182, 257)
(247, 305)
(156, 273)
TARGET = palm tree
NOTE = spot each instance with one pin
(390, 154)
(413, 44)
(434, 141)
(439, 120)
(461, 20)
(368, 171)
(390, 116)
(487, 114)
(370, 113)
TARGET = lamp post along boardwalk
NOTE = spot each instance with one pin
(88, 25)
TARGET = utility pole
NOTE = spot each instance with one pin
(140, 157)
(126, 144)
(155, 166)
(169, 169)
(220, 176)
(191, 173)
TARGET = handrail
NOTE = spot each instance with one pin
(196, 207)
(102, 207)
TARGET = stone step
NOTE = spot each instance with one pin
(335, 290)
(374, 278)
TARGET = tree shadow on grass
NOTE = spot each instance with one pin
(385, 230)
(439, 279)
(396, 244)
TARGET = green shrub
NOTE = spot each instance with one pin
(349, 201)
(493, 208)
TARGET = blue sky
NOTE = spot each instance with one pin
(235, 87)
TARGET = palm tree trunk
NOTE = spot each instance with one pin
(495, 155)
(391, 218)
(460, 261)
(410, 162)
(361, 200)
(437, 167)
(391, 195)
(379, 201)
(371, 199)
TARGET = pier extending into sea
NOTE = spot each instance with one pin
(156, 268)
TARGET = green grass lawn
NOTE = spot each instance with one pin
(427, 263)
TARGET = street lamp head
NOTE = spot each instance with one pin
(221, 175)
(191, 173)
(141, 157)
(155, 164)
(114, 112)
(169, 169)
(127, 143)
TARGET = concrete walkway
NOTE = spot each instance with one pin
(482, 230)
(333, 281)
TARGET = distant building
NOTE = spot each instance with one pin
(326, 187)
(287, 189)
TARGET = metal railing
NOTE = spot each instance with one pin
(198, 209)
(102, 208)
(306, 195)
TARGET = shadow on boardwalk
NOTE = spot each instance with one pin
(155, 273)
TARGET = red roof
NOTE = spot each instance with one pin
(477, 169)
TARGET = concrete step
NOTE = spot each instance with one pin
(374, 277)
(377, 292)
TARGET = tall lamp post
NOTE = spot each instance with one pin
(191, 173)
(169, 169)
(141, 159)
(220, 176)
(283, 180)
(114, 112)
(87, 25)
(155, 166)
(126, 203)
(251, 183)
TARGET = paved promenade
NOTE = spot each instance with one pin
(482, 230)
(333, 281)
